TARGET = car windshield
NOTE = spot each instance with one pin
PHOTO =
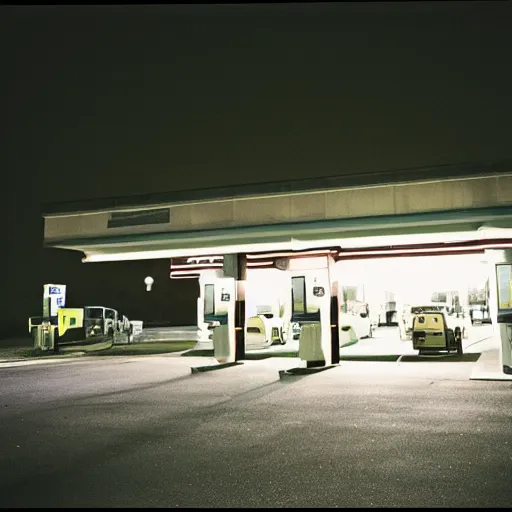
(94, 313)
(421, 309)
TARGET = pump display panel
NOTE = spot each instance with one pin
(504, 287)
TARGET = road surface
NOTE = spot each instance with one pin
(146, 432)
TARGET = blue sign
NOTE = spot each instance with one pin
(54, 290)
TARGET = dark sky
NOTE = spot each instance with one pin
(103, 101)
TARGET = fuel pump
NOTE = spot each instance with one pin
(206, 302)
(218, 295)
(311, 308)
(500, 302)
(504, 313)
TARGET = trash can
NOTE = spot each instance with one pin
(221, 345)
(310, 344)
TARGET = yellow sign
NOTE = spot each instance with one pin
(69, 318)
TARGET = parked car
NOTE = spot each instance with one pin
(479, 314)
(432, 333)
(357, 314)
(123, 324)
(355, 320)
(452, 319)
(265, 330)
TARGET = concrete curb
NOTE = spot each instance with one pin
(43, 358)
(495, 376)
(207, 368)
(72, 354)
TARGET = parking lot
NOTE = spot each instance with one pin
(146, 432)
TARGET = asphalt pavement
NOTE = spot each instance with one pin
(146, 432)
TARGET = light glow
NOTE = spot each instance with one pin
(198, 266)
(474, 248)
(295, 245)
(95, 256)
(148, 281)
(413, 279)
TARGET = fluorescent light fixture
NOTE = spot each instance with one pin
(313, 247)
(447, 250)
(424, 238)
(185, 272)
(312, 252)
(98, 256)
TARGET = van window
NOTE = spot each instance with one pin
(94, 313)
(110, 314)
(423, 309)
(430, 322)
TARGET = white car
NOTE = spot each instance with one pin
(354, 327)
(479, 314)
(354, 324)
(265, 330)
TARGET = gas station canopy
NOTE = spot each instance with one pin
(463, 211)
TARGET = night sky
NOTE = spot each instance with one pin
(104, 101)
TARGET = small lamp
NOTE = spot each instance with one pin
(148, 282)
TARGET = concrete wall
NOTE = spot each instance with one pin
(335, 204)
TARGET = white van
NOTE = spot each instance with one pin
(100, 321)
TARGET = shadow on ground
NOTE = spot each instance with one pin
(441, 358)
(453, 358)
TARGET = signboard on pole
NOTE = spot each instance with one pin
(54, 297)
